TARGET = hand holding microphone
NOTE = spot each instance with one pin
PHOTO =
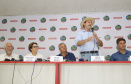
(94, 34)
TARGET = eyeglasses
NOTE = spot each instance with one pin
(35, 46)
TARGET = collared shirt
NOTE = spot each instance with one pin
(38, 55)
(5, 56)
(118, 56)
(69, 56)
(88, 46)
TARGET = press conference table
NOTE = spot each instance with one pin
(65, 72)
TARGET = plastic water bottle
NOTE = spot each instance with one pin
(129, 58)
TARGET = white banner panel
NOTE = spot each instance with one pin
(50, 30)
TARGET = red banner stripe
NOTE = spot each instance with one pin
(32, 20)
(20, 47)
(117, 17)
(11, 38)
(63, 28)
(107, 47)
(53, 38)
(128, 26)
(42, 28)
(74, 19)
(22, 29)
(53, 20)
(72, 37)
(13, 20)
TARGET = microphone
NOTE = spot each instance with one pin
(7, 59)
(39, 59)
(92, 29)
(13, 59)
(46, 60)
(81, 59)
(67, 60)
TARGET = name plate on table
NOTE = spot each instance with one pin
(97, 58)
(29, 58)
(129, 58)
(56, 58)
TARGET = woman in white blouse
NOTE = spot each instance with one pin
(33, 48)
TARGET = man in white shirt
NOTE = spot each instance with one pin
(8, 47)
(88, 40)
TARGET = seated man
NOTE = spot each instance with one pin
(66, 55)
(8, 47)
(122, 54)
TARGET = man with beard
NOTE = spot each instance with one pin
(122, 54)
(8, 47)
(87, 40)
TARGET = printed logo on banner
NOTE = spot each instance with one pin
(83, 17)
(63, 19)
(32, 29)
(95, 27)
(20, 57)
(129, 36)
(98, 46)
(2, 38)
(62, 38)
(43, 20)
(118, 27)
(74, 28)
(106, 18)
(52, 48)
(42, 38)
(12, 29)
(107, 57)
(52, 29)
(4, 21)
(22, 38)
(23, 20)
(128, 17)
(73, 48)
(107, 37)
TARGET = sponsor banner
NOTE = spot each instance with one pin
(48, 31)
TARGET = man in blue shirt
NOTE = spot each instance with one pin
(66, 55)
(88, 40)
(122, 54)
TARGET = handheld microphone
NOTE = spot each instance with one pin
(92, 29)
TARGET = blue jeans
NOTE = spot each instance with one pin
(88, 55)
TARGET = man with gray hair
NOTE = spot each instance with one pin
(8, 47)
(66, 55)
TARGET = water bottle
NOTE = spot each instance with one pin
(129, 58)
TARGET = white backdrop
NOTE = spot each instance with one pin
(106, 29)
